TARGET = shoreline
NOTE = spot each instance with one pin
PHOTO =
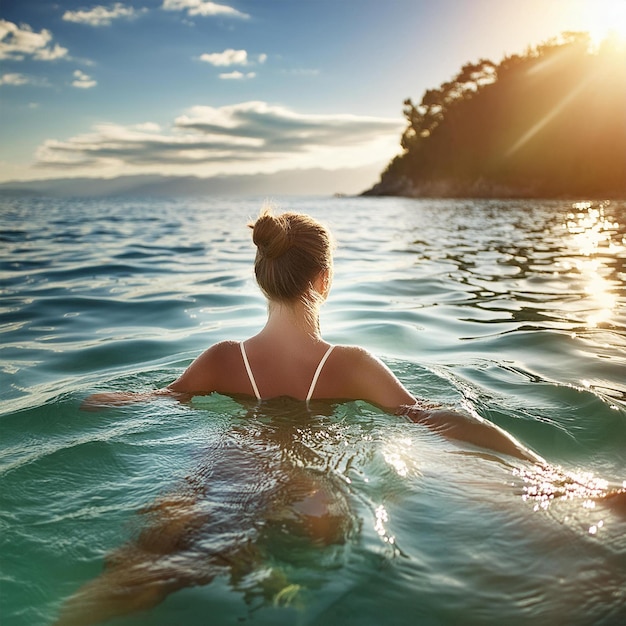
(482, 189)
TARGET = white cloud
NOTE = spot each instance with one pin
(13, 79)
(101, 15)
(237, 75)
(262, 58)
(280, 126)
(16, 79)
(245, 138)
(19, 42)
(50, 54)
(203, 8)
(83, 81)
(226, 58)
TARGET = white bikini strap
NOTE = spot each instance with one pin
(249, 370)
(318, 372)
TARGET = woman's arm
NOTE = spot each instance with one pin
(97, 401)
(377, 384)
(198, 378)
(474, 430)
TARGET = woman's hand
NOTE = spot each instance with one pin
(474, 430)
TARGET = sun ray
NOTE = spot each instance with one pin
(529, 134)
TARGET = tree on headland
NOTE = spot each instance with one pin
(548, 123)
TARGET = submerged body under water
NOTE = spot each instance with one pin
(337, 513)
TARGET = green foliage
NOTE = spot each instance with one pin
(551, 122)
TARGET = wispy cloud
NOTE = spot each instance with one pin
(141, 144)
(19, 42)
(102, 15)
(226, 58)
(236, 75)
(83, 81)
(279, 128)
(232, 57)
(203, 8)
(14, 79)
(244, 138)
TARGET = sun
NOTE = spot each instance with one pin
(603, 19)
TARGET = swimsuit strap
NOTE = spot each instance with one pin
(249, 370)
(317, 372)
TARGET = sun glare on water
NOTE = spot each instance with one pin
(594, 238)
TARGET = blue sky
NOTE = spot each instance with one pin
(91, 88)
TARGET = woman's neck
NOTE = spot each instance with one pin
(292, 321)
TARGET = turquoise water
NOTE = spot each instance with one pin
(515, 311)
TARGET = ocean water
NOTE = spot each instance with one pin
(511, 310)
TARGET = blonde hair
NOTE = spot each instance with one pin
(292, 250)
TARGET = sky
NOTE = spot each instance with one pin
(193, 87)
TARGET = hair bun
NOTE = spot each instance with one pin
(270, 234)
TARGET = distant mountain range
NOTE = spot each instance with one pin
(347, 181)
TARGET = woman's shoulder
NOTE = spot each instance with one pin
(222, 349)
(218, 353)
(213, 370)
(356, 359)
(365, 377)
(228, 345)
(354, 353)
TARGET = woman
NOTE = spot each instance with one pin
(289, 357)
